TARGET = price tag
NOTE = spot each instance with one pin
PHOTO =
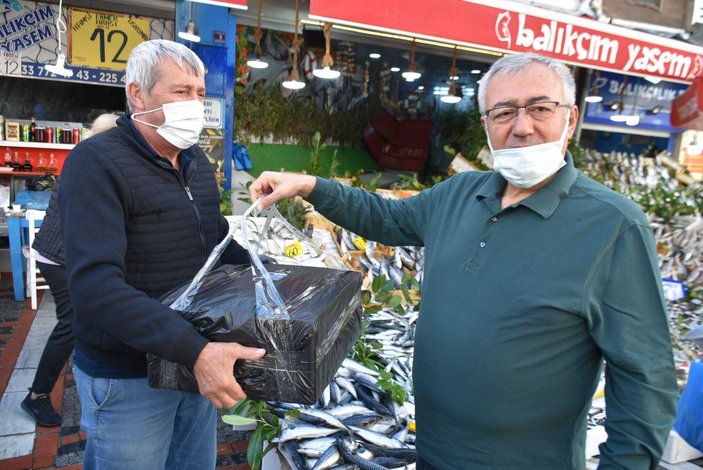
(293, 250)
(360, 243)
(10, 63)
(102, 39)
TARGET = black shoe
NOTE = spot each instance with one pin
(41, 410)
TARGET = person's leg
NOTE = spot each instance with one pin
(60, 343)
(194, 443)
(56, 352)
(127, 423)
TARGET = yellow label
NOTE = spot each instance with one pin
(293, 250)
(360, 243)
(411, 426)
(102, 39)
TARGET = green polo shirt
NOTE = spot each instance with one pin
(519, 308)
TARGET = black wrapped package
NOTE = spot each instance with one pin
(306, 340)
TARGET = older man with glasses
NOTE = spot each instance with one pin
(535, 275)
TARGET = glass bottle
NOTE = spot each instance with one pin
(32, 129)
(52, 163)
(16, 165)
(8, 158)
(27, 162)
(41, 164)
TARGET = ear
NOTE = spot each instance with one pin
(483, 123)
(136, 95)
(573, 120)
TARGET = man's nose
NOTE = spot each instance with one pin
(523, 123)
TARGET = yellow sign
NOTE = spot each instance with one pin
(102, 39)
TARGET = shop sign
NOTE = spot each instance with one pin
(102, 39)
(239, 4)
(504, 26)
(213, 113)
(10, 63)
(29, 40)
(687, 109)
(650, 102)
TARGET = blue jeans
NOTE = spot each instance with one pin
(131, 425)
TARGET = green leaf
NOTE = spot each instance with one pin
(237, 420)
(373, 309)
(255, 449)
(394, 301)
(406, 294)
(365, 297)
(378, 283)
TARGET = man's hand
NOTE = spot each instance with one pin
(214, 371)
(276, 186)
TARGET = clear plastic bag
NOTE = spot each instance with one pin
(307, 318)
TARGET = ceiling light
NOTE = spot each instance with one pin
(453, 97)
(593, 96)
(655, 110)
(375, 55)
(257, 63)
(412, 73)
(421, 87)
(326, 71)
(191, 32)
(395, 69)
(450, 99)
(619, 117)
(59, 68)
(294, 82)
(632, 120)
(652, 79)
(475, 71)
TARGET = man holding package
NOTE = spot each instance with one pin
(534, 275)
(140, 215)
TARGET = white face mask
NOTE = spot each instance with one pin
(183, 122)
(526, 167)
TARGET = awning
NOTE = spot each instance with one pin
(687, 109)
(505, 26)
(240, 4)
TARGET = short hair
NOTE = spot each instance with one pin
(144, 60)
(517, 62)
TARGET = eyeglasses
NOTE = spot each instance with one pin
(541, 111)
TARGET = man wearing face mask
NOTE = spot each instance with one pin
(534, 275)
(140, 214)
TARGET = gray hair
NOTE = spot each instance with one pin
(145, 58)
(515, 63)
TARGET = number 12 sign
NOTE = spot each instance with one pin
(102, 39)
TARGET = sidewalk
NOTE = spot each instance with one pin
(23, 445)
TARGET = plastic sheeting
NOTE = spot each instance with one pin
(307, 319)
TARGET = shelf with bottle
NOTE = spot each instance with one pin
(33, 161)
(34, 131)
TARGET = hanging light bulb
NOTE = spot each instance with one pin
(191, 32)
(59, 68)
(452, 97)
(294, 83)
(326, 71)
(412, 74)
(257, 63)
(594, 97)
(621, 116)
